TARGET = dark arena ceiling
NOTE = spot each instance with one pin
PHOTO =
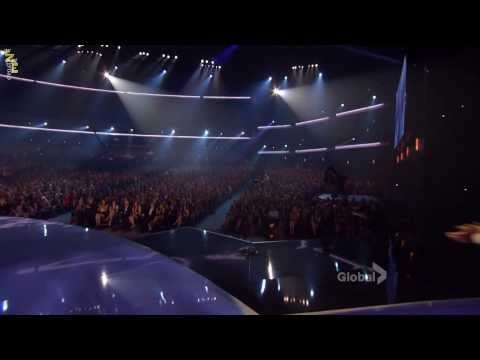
(314, 81)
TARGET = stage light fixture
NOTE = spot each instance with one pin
(101, 45)
(64, 61)
(242, 133)
(285, 78)
(201, 62)
(148, 54)
(168, 56)
(131, 130)
(45, 123)
(112, 128)
(220, 67)
(139, 53)
(106, 74)
(176, 57)
(116, 67)
(163, 55)
(2, 52)
(210, 76)
(206, 133)
(269, 78)
(106, 46)
(118, 47)
(100, 54)
(164, 71)
(342, 105)
(320, 75)
(173, 132)
(87, 127)
(374, 97)
(201, 65)
(213, 62)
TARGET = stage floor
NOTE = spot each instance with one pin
(280, 277)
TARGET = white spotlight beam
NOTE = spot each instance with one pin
(266, 127)
(123, 134)
(273, 152)
(359, 110)
(309, 122)
(306, 151)
(73, 87)
(360, 146)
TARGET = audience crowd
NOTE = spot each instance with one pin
(150, 201)
(286, 204)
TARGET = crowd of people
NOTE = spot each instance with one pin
(281, 203)
(286, 204)
(143, 201)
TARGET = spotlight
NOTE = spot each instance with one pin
(264, 146)
(64, 61)
(220, 67)
(269, 78)
(242, 133)
(176, 57)
(276, 91)
(106, 74)
(212, 62)
(210, 76)
(106, 46)
(45, 123)
(201, 61)
(173, 132)
(342, 105)
(206, 133)
(101, 45)
(285, 78)
(164, 71)
(163, 55)
(148, 54)
(118, 47)
(201, 65)
(87, 127)
(116, 67)
(285, 145)
(320, 75)
(353, 139)
(2, 52)
(374, 97)
(131, 130)
(140, 53)
(168, 56)
(100, 54)
(112, 128)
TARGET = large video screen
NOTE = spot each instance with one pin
(400, 104)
